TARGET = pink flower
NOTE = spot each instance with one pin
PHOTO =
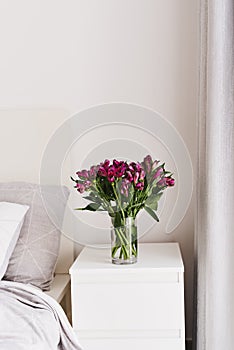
(102, 171)
(170, 181)
(87, 184)
(80, 187)
(116, 163)
(142, 175)
(131, 167)
(120, 168)
(155, 164)
(106, 163)
(119, 172)
(111, 174)
(135, 173)
(138, 167)
(136, 177)
(93, 171)
(125, 187)
(158, 173)
(83, 174)
(129, 176)
(140, 186)
(147, 163)
(166, 181)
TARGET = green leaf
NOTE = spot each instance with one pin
(93, 199)
(152, 200)
(152, 213)
(153, 205)
(105, 188)
(91, 207)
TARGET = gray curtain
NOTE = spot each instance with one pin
(215, 179)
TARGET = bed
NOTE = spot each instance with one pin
(34, 263)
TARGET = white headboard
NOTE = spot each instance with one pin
(24, 134)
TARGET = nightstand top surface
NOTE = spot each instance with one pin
(159, 256)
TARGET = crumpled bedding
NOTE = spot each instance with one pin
(32, 320)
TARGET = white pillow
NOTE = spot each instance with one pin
(11, 221)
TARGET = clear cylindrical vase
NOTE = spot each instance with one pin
(124, 243)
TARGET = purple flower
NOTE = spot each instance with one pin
(140, 186)
(116, 163)
(147, 164)
(112, 171)
(129, 176)
(155, 164)
(166, 181)
(138, 167)
(136, 177)
(103, 169)
(106, 163)
(87, 184)
(131, 167)
(119, 172)
(80, 187)
(111, 174)
(93, 171)
(124, 189)
(142, 175)
(83, 174)
(170, 181)
(120, 168)
(158, 173)
(135, 173)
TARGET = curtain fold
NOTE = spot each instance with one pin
(214, 231)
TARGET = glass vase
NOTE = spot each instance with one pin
(124, 243)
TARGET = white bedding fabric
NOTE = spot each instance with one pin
(32, 320)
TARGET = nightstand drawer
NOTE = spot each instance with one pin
(128, 306)
(130, 343)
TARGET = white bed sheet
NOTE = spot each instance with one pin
(32, 320)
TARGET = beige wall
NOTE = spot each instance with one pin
(69, 55)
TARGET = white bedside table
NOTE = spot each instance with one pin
(139, 306)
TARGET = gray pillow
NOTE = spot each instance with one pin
(35, 255)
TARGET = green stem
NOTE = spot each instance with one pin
(121, 234)
(123, 244)
(127, 247)
(118, 201)
(106, 205)
(142, 197)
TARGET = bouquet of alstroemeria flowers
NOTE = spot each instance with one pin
(123, 189)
